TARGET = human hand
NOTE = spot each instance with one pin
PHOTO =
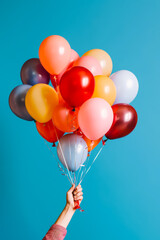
(74, 194)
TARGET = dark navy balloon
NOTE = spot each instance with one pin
(32, 72)
(17, 102)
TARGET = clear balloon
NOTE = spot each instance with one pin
(95, 118)
(48, 131)
(104, 88)
(125, 120)
(103, 58)
(90, 63)
(32, 72)
(40, 102)
(126, 85)
(72, 151)
(54, 54)
(17, 102)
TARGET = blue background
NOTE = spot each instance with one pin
(122, 191)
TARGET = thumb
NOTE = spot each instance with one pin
(72, 188)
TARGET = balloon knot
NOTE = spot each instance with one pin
(104, 142)
(88, 154)
(73, 110)
(54, 145)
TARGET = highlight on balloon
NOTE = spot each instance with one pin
(82, 107)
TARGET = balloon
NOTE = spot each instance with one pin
(91, 63)
(103, 58)
(72, 151)
(55, 79)
(64, 118)
(76, 86)
(126, 85)
(125, 120)
(40, 102)
(54, 54)
(95, 118)
(48, 131)
(17, 102)
(32, 72)
(104, 88)
(90, 143)
(74, 57)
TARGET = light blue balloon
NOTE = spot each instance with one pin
(126, 85)
(72, 150)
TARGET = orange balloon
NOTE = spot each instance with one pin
(48, 131)
(64, 118)
(90, 143)
(104, 88)
(61, 100)
(103, 58)
(40, 101)
(54, 54)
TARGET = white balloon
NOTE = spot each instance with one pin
(126, 85)
(72, 151)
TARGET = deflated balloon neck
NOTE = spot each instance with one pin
(104, 141)
(73, 109)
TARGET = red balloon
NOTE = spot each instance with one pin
(77, 86)
(48, 131)
(125, 120)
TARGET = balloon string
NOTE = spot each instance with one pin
(63, 156)
(91, 164)
(56, 160)
(84, 167)
(80, 166)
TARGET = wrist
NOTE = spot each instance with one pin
(69, 208)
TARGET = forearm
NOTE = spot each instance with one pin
(65, 217)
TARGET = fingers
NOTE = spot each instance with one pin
(77, 189)
(78, 194)
(71, 189)
(78, 198)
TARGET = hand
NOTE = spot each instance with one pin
(74, 194)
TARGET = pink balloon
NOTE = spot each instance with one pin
(54, 54)
(55, 79)
(95, 118)
(74, 57)
(90, 63)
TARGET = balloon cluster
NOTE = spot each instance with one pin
(85, 103)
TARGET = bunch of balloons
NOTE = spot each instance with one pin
(84, 103)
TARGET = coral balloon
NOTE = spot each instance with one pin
(54, 54)
(127, 86)
(90, 143)
(91, 63)
(125, 120)
(76, 86)
(40, 102)
(32, 72)
(104, 88)
(48, 131)
(95, 118)
(64, 118)
(72, 151)
(103, 58)
(17, 102)
(55, 79)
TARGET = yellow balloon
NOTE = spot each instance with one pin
(40, 101)
(104, 88)
(103, 58)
